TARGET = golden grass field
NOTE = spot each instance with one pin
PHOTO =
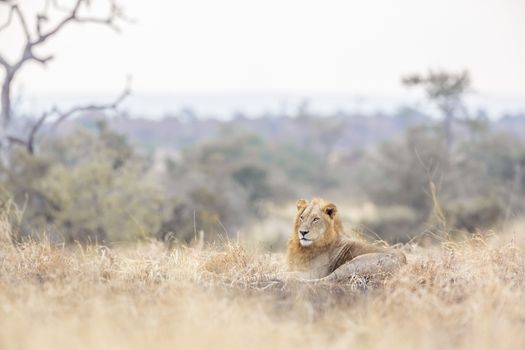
(466, 295)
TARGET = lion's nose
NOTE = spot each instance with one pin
(303, 233)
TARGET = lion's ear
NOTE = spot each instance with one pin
(330, 209)
(301, 204)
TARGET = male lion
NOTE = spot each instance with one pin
(318, 249)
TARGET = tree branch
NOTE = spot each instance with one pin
(34, 130)
(16, 140)
(15, 10)
(9, 18)
(4, 63)
(62, 23)
(42, 60)
(72, 15)
(29, 144)
(23, 22)
(91, 108)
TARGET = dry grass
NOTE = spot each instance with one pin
(462, 295)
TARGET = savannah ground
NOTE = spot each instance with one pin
(466, 294)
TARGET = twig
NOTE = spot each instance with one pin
(29, 144)
(9, 18)
(23, 22)
(92, 108)
(34, 130)
(42, 36)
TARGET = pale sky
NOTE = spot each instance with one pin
(290, 46)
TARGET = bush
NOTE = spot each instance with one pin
(221, 186)
(476, 180)
(474, 214)
(86, 187)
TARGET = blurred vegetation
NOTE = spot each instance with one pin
(188, 177)
(224, 184)
(94, 184)
(84, 187)
(480, 185)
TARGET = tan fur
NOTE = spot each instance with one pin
(329, 250)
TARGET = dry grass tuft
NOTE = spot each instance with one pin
(232, 258)
(461, 295)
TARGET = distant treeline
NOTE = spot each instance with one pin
(346, 130)
(119, 179)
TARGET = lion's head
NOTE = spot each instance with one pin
(316, 224)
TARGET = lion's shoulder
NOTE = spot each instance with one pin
(347, 250)
(341, 253)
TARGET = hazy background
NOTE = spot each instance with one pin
(238, 108)
(235, 54)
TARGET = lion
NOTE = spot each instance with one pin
(318, 249)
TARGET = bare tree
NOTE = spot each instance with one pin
(41, 33)
(446, 90)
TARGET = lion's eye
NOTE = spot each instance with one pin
(316, 219)
(301, 217)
